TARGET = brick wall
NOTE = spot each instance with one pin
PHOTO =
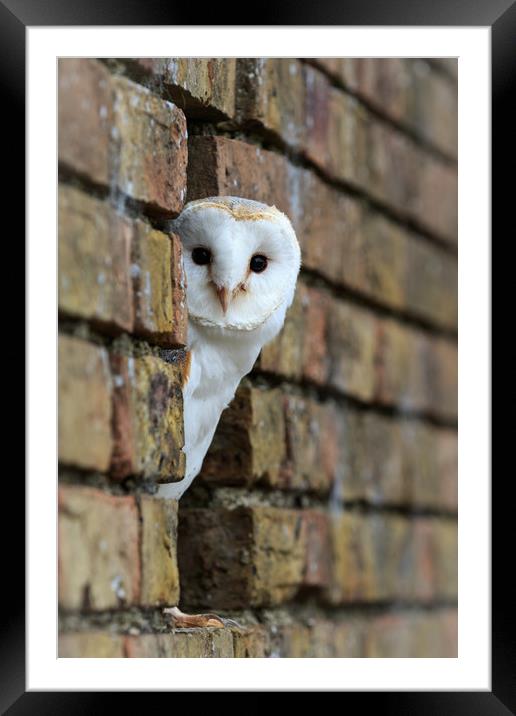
(325, 516)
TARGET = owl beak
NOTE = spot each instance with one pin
(223, 296)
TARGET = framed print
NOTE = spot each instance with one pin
(306, 497)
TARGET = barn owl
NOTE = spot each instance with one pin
(241, 260)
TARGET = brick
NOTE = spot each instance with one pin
(318, 638)
(202, 88)
(242, 557)
(84, 404)
(380, 558)
(371, 459)
(415, 371)
(316, 528)
(285, 353)
(95, 645)
(218, 166)
(312, 445)
(409, 92)
(352, 346)
(85, 116)
(348, 147)
(94, 261)
(251, 642)
(390, 461)
(266, 437)
(148, 417)
(160, 576)
(449, 65)
(160, 308)
(187, 643)
(249, 444)
(151, 146)
(270, 93)
(99, 558)
(429, 464)
(411, 635)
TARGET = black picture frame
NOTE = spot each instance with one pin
(500, 15)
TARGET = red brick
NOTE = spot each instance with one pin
(85, 117)
(84, 404)
(99, 557)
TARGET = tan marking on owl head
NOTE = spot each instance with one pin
(239, 209)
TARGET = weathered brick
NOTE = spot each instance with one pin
(160, 312)
(201, 87)
(160, 576)
(283, 441)
(187, 643)
(311, 444)
(416, 371)
(380, 557)
(271, 93)
(99, 557)
(94, 261)
(84, 404)
(151, 148)
(95, 645)
(449, 65)
(148, 417)
(412, 635)
(85, 116)
(285, 353)
(352, 560)
(241, 557)
(352, 346)
(249, 445)
(218, 166)
(316, 527)
(318, 638)
(371, 458)
(251, 642)
(409, 92)
(385, 460)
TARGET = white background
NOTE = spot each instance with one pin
(471, 670)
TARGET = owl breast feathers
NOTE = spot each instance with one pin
(241, 260)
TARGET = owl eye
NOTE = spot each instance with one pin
(201, 256)
(258, 263)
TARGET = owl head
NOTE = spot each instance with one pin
(241, 260)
